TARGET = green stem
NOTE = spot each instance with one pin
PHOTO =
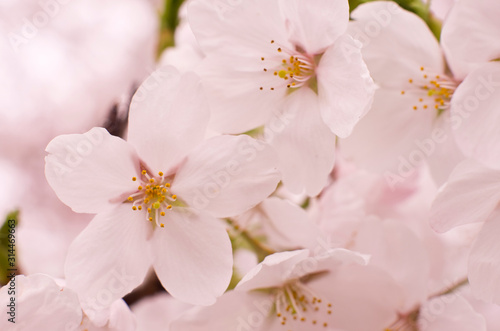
(168, 22)
(260, 249)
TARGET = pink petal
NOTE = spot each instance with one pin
(227, 175)
(345, 87)
(316, 24)
(441, 8)
(304, 144)
(233, 91)
(475, 116)
(330, 259)
(385, 29)
(392, 138)
(447, 154)
(393, 247)
(484, 261)
(292, 224)
(477, 22)
(109, 258)
(40, 304)
(470, 195)
(121, 318)
(233, 311)
(273, 271)
(91, 172)
(193, 257)
(356, 291)
(239, 28)
(235, 36)
(157, 312)
(168, 118)
(450, 312)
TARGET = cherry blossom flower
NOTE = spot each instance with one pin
(474, 106)
(280, 53)
(43, 302)
(157, 196)
(410, 118)
(61, 71)
(297, 290)
(293, 59)
(303, 166)
(360, 213)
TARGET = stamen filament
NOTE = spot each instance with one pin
(155, 197)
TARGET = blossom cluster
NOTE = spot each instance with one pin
(288, 165)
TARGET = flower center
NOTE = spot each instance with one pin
(434, 91)
(153, 195)
(296, 304)
(293, 68)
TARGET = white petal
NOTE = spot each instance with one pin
(238, 28)
(227, 175)
(155, 313)
(235, 36)
(470, 195)
(273, 271)
(184, 57)
(392, 137)
(385, 29)
(398, 251)
(304, 144)
(477, 22)
(108, 259)
(475, 115)
(316, 24)
(447, 154)
(92, 171)
(330, 259)
(40, 304)
(233, 311)
(484, 261)
(292, 224)
(441, 8)
(356, 291)
(193, 257)
(121, 318)
(233, 91)
(168, 118)
(345, 87)
(450, 312)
